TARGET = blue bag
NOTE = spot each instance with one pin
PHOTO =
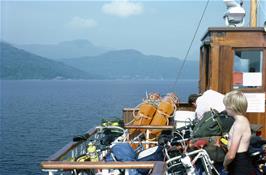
(122, 152)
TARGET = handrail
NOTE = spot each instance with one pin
(164, 127)
(62, 152)
(180, 105)
(158, 167)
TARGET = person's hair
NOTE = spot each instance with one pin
(192, 98)
(236, 101)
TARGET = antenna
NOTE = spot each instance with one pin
(234, 16)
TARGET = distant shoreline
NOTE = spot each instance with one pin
(97, 79)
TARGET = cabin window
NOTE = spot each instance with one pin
(247, 70)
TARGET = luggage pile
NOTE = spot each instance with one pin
(212, 128)
(209, 133)
(182, 148)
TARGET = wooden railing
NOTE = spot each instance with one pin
(70, 146)
(56, 161)
(158, 167)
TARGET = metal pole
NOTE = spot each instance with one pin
(253, 13)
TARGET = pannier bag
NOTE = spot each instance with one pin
(213, 124)
(124, 152)
(108, 135)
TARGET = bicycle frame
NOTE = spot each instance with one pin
(186, 161)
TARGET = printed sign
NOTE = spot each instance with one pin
(252, 79)
(256, 102)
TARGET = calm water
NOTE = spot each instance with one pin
(40, 117)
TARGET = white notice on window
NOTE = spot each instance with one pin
(256, 102)
(252, 79)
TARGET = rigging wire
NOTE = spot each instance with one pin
(185, 59)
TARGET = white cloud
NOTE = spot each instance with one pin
(122, 8)
(82, 23)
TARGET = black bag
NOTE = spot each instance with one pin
(108, 135)
(216, 153)
(225, 121)
(213, 123)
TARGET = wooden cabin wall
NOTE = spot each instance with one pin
(239, 39)
(201, 70)
(222, 45)
(258, 118)
(214, 67)
(225, 69)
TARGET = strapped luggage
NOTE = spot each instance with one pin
(165, 110)
(213, 124)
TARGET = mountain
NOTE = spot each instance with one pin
(132, 64)
(19, 64)
(66, 49)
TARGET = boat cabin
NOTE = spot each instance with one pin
(235, 58)
(230, 58)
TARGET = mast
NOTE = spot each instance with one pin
(253, 13)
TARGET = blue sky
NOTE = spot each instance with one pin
(162, 28)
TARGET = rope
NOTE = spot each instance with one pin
(140, 115)
(185, 59)
(151, 139)
(134, 114)
(166, 116)
(134, 111)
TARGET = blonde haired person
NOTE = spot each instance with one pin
(237, 161)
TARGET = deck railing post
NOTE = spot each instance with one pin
(147, 137)
(50, 172)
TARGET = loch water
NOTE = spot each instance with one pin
(38, 117)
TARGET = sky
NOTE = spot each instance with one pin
(164, 28)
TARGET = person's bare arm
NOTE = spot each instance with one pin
(234, 144)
